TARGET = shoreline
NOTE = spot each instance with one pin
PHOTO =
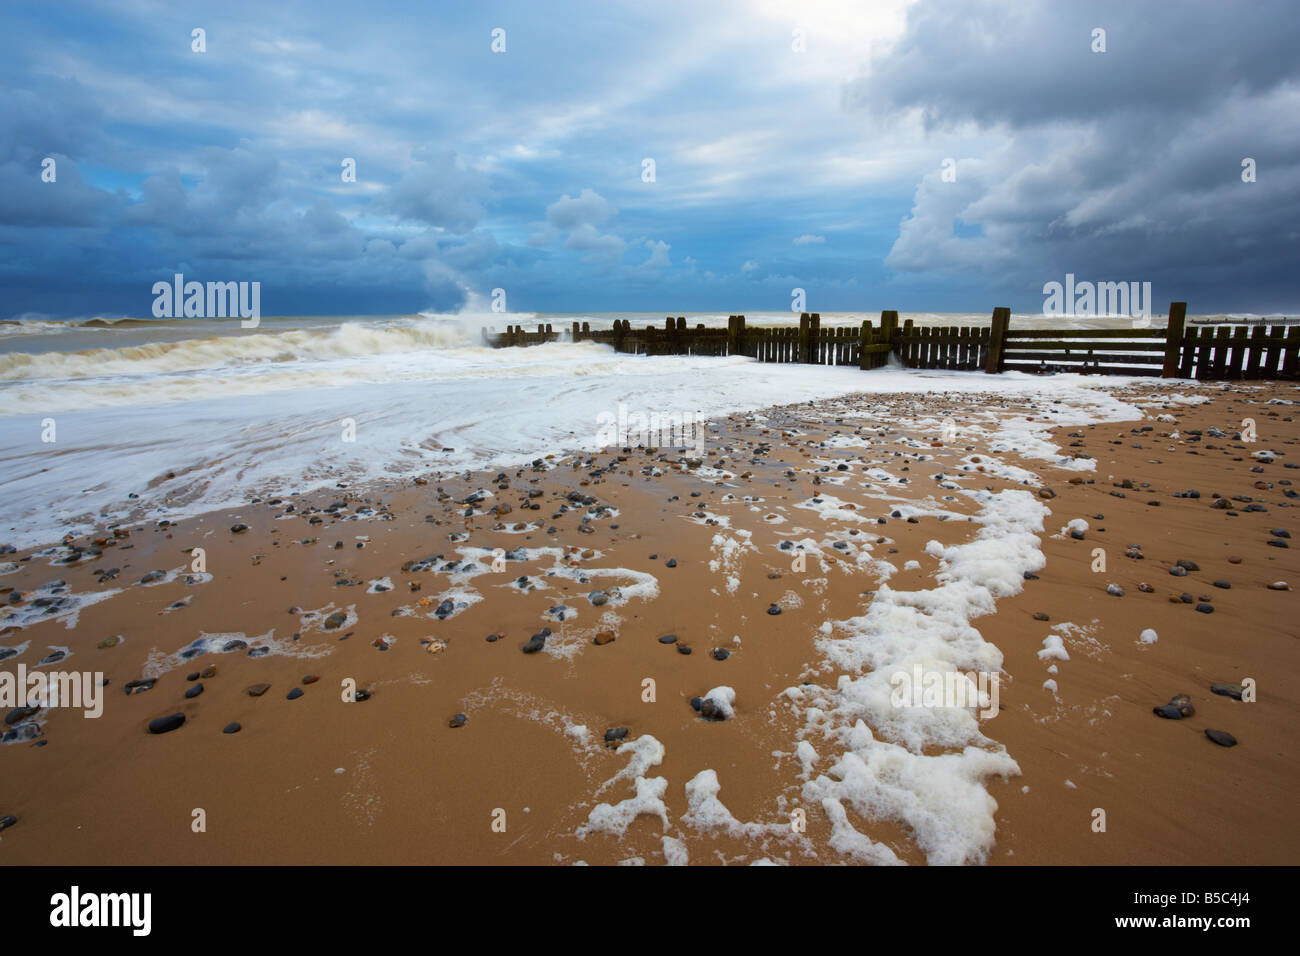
(413, 789)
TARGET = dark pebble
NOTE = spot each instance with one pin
(1226, 690)
(231, 728)
(1205, 608)
(774, 610)
(1221, 737)
(294, 694)
(457, 721)
(194, 691)
(668, 639)
(162, 725)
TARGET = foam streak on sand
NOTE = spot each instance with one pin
(887, 767)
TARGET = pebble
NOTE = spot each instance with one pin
(458, 720)
(108, 642)
(774, 609)
(1188, 565)
(597, 598)
(1115, 589)
(1279, 586)
(294, 694)
(1179, 706)
(1226, 690)
(671, 562)
(668, 639)
(232, 728)
(257, 690)
(683, 649)
(535, 643)
(194, 692)
(139, 686)
(7, 821)
(1223, 584)
(20, 713)
(721, 654)
(311, 678)
(1205, 608)
(1178, 571)
(163, 725)
(335, 621)
(603, 638)
(615, 734)
(1221, 737)
(710, 710)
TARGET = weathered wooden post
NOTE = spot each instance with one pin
(575, 332)
(998, 339)
(739, 348)
(804, 321)
(619, 333)
(814, 338)
(864, 342)
(889, 327)
(1174, 339)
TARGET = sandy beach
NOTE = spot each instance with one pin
(529, 643)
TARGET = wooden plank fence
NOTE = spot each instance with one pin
(1202, 352)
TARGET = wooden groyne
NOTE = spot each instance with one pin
(1202, 352)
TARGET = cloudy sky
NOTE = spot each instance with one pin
(794, 144)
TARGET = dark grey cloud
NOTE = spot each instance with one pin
(1117, 165)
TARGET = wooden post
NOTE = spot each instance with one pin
(1174, 339)
(815, 338)
(888, 330)
(804, 321)
(575, 331)
(998, 339)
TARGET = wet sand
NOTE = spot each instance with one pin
(321, 780)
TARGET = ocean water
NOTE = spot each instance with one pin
(169, 418)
